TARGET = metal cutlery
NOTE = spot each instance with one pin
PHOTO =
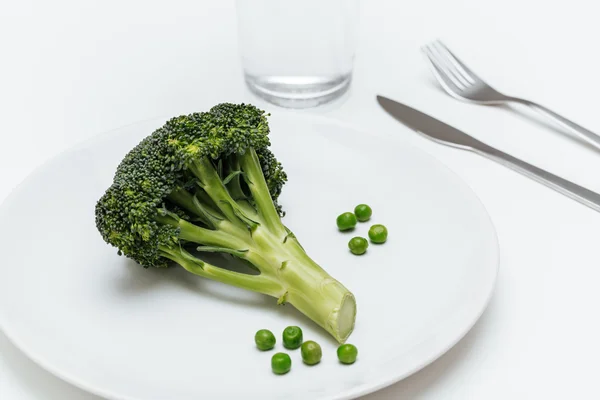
(442, 133)
(462, 83)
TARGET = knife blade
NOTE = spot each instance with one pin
(443, 133)
(428, 126)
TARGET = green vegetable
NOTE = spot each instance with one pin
(358, 245)
(346, 221)
(363, 212)
(281, 363)
(292, 337)
(208, 183)
(311, 352)
(264, 339)
(347, 353)
(378, 234)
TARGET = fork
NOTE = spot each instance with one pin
(462, 83)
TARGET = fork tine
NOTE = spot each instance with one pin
(446, 64)
(447, 71)
(449, 84)
(460, 66)
(441, 71)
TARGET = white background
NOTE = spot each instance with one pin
(72, 69)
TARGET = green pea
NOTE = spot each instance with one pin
(378, 234)
(311, 352)
(363, 212)
(264, 339)
(358, 245)
(347, 353)
(292, 337)
(346, 221)
(281, 363)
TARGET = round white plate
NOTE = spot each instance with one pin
(111, 327)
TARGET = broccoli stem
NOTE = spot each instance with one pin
(257, 184)
(211, 182)
(228, 236)
(256, 283)
(320, 297)
(290, 275)
(234, 186)
(186, 200)
(306, 286)
(258, 236)
(287, 274)
(206, 201)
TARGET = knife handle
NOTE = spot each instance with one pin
(568, 188)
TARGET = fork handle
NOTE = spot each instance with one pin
(568, 188)
(585, 134)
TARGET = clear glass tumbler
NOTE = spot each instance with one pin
(297, 53)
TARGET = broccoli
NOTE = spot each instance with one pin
(208, 183)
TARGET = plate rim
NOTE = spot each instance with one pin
(363, 389)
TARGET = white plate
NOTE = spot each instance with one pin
(111, 327)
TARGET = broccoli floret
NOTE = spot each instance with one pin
(207, 182)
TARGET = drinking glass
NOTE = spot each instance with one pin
(297, 53)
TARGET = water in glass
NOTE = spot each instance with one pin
(297, 53)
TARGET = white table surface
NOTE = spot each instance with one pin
(72, 69)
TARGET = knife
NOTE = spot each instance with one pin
(442, 133)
